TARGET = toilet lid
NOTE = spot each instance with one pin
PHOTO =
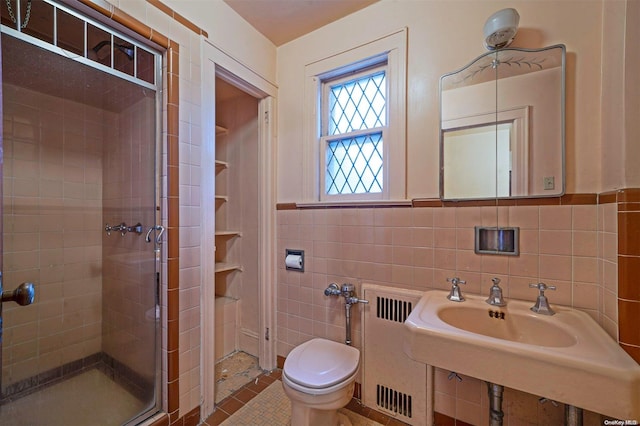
(320, 363)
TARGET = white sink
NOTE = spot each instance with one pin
(566, 357)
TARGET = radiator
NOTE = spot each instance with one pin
(392, 383)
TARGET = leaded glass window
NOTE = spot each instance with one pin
(354, 124)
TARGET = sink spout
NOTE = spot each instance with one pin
(495, 294)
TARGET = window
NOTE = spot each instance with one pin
(355, 144)
(354, 117)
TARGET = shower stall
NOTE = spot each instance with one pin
(80, 219)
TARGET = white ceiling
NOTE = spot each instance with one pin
(284, 20)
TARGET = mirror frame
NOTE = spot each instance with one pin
(563, 68)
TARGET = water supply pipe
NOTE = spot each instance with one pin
(348, 292)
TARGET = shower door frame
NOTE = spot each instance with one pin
(158, 52)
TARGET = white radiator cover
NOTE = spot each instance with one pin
(392, 382)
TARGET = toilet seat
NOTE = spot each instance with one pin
(321, 363)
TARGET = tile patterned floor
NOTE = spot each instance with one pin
(359, 415)
(271, 407)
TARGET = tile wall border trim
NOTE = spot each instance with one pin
(628, 219)
(112, 12)
(178, 17)
(565, 200)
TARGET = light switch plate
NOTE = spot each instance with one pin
(549, 182)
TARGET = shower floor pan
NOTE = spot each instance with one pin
(86, 399)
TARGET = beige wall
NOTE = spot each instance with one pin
(620, 94)
(443, 36)
(632, 94)
(231, 34)
(621, 91)
(613, 95)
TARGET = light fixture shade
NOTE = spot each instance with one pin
(501, 28)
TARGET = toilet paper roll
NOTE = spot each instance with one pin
(293, 261)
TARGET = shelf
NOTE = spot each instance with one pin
(227, 267)
(222, 198)
(228, 234)
(224, 300)
(221, 165)
(221, 130)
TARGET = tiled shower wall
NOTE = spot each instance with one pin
(129, 276)
(573, 247)
(52, 222)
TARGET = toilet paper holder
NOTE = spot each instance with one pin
(294, 260)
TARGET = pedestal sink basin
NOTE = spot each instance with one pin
(527, 329)
(566, 357)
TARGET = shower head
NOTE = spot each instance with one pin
(127, 50)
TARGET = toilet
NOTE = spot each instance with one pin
(318, 377)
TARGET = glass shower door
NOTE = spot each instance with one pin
(79, 186)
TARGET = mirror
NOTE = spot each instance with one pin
(502, 126)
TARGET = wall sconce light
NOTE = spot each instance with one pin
(501, 28)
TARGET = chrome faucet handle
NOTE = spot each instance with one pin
(495, 294)
(353, 300)
(542, 303)
(542, 287)
(455, 295)
(455, 281)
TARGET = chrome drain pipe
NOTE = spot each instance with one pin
(495, 404)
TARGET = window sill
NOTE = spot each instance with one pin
(352, 203)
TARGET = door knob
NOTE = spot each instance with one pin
(23, 295)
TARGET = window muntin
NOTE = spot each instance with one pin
(357, 104)
(354, 108)
(354, 165)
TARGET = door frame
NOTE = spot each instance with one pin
(218, 63)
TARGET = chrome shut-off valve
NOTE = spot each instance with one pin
(346, 290)
(332, 290)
